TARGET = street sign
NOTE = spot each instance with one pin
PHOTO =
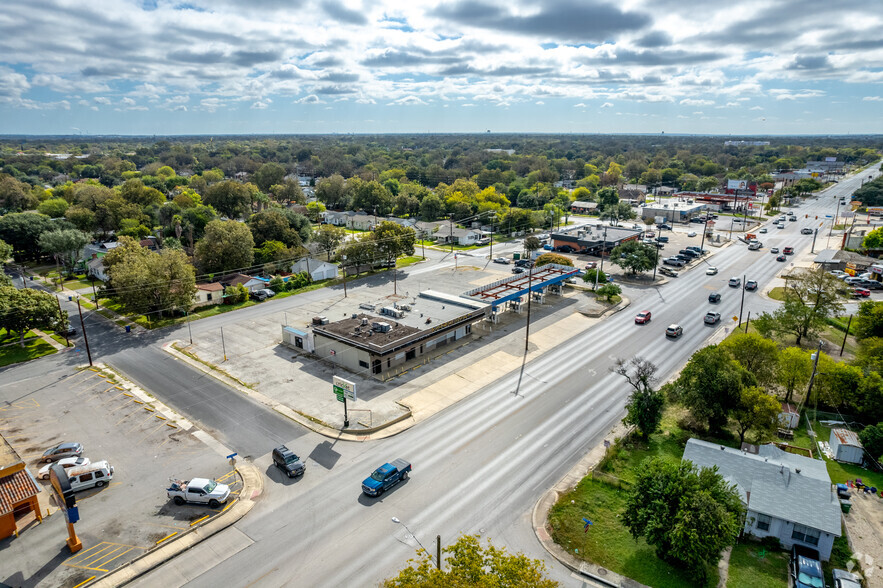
(344, 388)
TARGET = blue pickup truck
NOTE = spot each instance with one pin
(385, 477)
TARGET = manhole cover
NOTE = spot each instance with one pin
(602, 572)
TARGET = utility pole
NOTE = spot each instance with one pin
(223, 345)
(64, 322)
(85, 338)
(742, 304)
(343, 265)
(815, 367)
(845, 335)
(189, 330)
(527, 329)
(94, 293)
(451, 221)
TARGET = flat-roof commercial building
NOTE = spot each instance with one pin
(592, 239)
(672, 211)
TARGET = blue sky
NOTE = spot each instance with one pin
(323, 66)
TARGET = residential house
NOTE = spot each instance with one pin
(582, 207)
(846, 446)
(458, 236)
(253, 284)
(150, 242)
(428, 230)
(318, 270)
(95, 268)
(787, 496)
(633, 193)
(208, 294)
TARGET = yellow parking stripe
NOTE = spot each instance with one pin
(86, 581)
(199, 519)
(167, 537)
(228, 506)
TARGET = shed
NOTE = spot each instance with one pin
(789, 418)
(318, 270)
(845, 446)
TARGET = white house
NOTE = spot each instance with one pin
(208, 294)
(789, 418)
(95, 267)
(253, 284)
(458, 236)
(787, 496)
(846, 446)
(318, 270)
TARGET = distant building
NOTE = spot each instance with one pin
(208, 294)
(582, 207)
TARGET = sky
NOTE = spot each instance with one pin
(460, 66)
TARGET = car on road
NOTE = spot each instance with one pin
(780, 226)
(67, 462)
(288, 461)
(763, 230)
(674, 331)
(385, 477)
(838, 273)
(806, 231)
(844, 579)
(735, 282)
(860, 293)
(751, 285)
(68, 332)
(502, 260)
(788, 250)
(591, 265)
(518, 270)
(668, 272)
(564, 249)
(712, 318)
(774, 250)
(781, 258)
(714, 297)
(61, 451)
(711, 271)
(198, 491)
(691, 234)
(806, 569)
(524, 263)
(664, 226)
(642, 317)
(547, 247)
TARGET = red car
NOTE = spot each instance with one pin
(860, 293)
(788, 250)
(643, 317)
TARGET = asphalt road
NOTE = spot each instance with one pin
(479, 467)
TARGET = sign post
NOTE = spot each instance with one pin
(67, 502)
(344, 390)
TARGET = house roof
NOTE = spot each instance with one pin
(846, 437)
(211, 287)
(583, 204)
(235, 279)
(841, 255)
(17, 485)
(775, 483)
(788, 408)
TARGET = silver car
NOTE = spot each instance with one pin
(61, 451)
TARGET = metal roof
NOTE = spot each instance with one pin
(516, 286)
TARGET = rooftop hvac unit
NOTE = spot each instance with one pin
(364, 321)
(381, 327)
(320, 320)
(354, 315)
(366, 306)
(392, 311)
(405, 307)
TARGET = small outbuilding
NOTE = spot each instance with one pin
(789, 418)
(846, 446)
(318, 270)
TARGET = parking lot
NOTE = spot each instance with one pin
(124, 519)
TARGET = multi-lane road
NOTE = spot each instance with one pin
(479, 467)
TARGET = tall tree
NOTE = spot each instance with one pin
(755, 353)
(607, 197)
(332, 191)
(26, 309)
(22, 231)
(227, 245)
(869, 320)
(617, 212)
(687, 514)
(64, 245)
(756, 411)
(393, 240)
(271, 225)
(531, 244)
(268, 175)
(153, 282)
(431, 208)
(645, 405)
(793, 370)
(329, 238)
(810, 298)
(634, 257)
(468, 564)
(229, 198)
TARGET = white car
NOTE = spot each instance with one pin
(691, 234)
(67, 462)
(199, 491)
(711, 271)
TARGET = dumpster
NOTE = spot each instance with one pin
(845, 505)
(516, 256)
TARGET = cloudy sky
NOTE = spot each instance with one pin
(390, 66)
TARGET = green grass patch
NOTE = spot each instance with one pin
(754, 566)
(608, 543)
(840, 472)
(777, 293)
(841, 554)
(60, 339)
(408, 260)
(80, 283)
(33, 349)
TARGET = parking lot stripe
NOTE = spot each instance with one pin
(167, 537)
(86, 581)
(147, 408)
(104, 563)
(119, 387)
(21, 405)
(86, 557)
(200, 519)
(229, 505)
(227, 475)
(101, 561)
(127, 394)
(162, 418)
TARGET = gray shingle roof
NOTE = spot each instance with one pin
(769, 482)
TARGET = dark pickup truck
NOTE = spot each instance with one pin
(385, 477)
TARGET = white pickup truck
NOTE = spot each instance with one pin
(199, 491)
(754, 244)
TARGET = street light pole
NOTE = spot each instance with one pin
(343, 259)
(742, 304)
(399, 522)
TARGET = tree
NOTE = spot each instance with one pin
(26, 309)
(271, 251)
(227, 245)
(431, 208)
(645, 405)
(235, 294)
(689, 515)
(329, 238)
(151, 282)
(22, 231)
(634, 257)
(869, 320)
(268, 175)
(755, 353)
(468, 564)
(288, 191)
(229, 198)
(5, 252)
(874, 239)
(271, 225)
(756, 411)
(710, 385)
(531, 244)
(64, 244)
(608, 291)
(393, 240)
(589, 277)
(359, 252)
(617, 212)
(607, 197)
(82, 218)
(793, 370)
(872, 440)
(332, 191)
(547, 258)
(371, 196)
(298, 223)
(811, 297)
(53, 208)
(315, 210)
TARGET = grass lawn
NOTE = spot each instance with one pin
(777, 293)
(80, 283)
(608, 543)
(754, 566)
(33, 349)
(408, 260)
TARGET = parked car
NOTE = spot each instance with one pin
(591, 265)
(712, 318)
(287, 461)
(806, 569)
(674, 261)
(262, 294)
(668, 272)
(674, 331)
(751, 285)
(781, 258)
(61, 451)
(547, 247)
(711, 271)
(735, 282)
(806, 231)
(502, 260)
(697, 249)
(94, 475)
(691, 234)
(788, 250)
(385, 477)
(853, 281)
(774, 250)
(840, 274)
(642, 317)
(763, 230)
(518, 270)
(564, 249)
(199, 491)
(68, 332)
(714, 297)
(689, 253)
(67, 462)
(844, 579)
(662, 239)
(870, 284)
(524, 263)
(860, 293)
(664, 226)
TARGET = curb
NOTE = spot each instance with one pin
(540, 517)
(252, 487)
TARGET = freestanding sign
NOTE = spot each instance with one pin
(67, 502)
(344, 388)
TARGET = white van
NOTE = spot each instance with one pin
(94, 475)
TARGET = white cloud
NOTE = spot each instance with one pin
(408, 101)
(696, 102)
(873, 99)
(210, 104)
(539, 103)
(580, 105)
(607, 105)
(260, 105)
(127, 102)
(101, 100)
(756, 108)
(310, 99)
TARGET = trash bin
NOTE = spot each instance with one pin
(128, 328)
(845, 505)
(70, 298)
(516, 256)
